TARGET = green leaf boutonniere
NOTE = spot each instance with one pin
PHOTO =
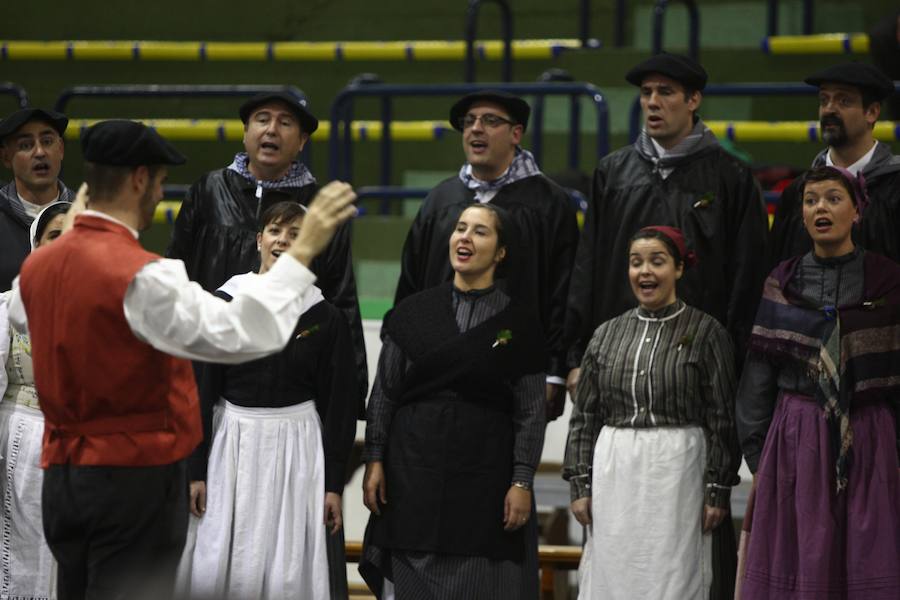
(685, 341)
(307, 332)
(705, 200)
(504, 336)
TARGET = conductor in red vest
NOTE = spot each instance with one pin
(113, 328)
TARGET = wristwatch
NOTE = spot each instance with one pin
(522, 484)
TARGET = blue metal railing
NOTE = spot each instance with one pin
(340, 145)
(8, 88)
(178, 91)
(772, 17)
(659, 13)
(472, 30)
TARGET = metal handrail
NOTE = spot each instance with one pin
(659, 13)
(471, 32)
(620, 24)
(772, 17)
(338, 51)
(8, 88)
(170, 91)
(340, 166)
(729, 89)
(179, 91)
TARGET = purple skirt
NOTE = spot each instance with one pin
(809, 543)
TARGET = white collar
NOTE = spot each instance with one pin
(857, 167)
(660, 319)
(103, 215)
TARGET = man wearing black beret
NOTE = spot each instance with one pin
(32, 146)
(675, 174)
(850, 97)
(215, 231)
(111, 327)
(498, 170)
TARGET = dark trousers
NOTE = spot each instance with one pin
(116, 532)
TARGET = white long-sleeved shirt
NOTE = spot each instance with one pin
(176, 316)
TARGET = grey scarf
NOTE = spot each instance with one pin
(700, 138)
(11, 195)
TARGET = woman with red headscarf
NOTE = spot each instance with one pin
(652, 451)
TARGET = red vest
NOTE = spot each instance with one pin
(107, 397)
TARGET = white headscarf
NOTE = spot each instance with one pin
(32, 235)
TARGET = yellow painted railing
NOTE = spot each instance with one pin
(410, 50)
(230, 130)
(788, 131)
(826, 43)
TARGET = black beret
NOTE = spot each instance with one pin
(861, 75)
(682, 69)
(308, 123)
(11, 124)
(517, 108)
(123, 143)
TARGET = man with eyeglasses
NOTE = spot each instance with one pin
(850, 97)
(498, 170)
(32, 147)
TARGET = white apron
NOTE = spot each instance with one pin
(263, 535)
(647, 509)
(27, 567)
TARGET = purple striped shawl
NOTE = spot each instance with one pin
(853, 353)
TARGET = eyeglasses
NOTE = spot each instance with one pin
(488, 120)
(27, 144)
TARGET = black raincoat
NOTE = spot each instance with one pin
(713, 198)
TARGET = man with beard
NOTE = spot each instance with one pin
(215, 231)
(850, 96)
(32, 146)
(675, 174)
(545, 231)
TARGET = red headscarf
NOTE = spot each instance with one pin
(677, 238)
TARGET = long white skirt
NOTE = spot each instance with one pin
(647, 508)
(262, 536)
(27, 568)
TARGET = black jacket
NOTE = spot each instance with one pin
(215, 236)
(879, 229)
(713, 198)
(14, 226)
(545, 234)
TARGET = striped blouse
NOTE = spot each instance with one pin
(674, 367)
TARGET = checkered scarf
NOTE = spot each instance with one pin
(297, 176)
(522, 166)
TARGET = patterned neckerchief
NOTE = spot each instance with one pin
(297, 176)
(522, 166)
